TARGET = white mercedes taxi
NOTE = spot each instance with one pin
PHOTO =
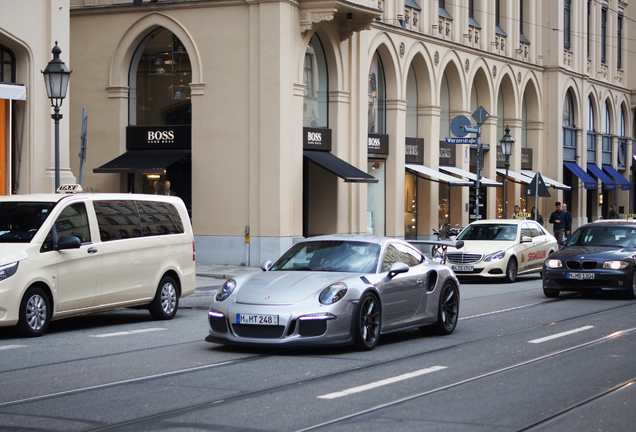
(502, 248)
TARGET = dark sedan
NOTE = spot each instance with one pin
(600, 256)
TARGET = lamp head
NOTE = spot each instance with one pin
(56, 77)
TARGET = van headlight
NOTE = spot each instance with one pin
(226, 290)
(495, 256)
(8, 270)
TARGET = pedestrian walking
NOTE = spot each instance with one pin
(538, 218)
(517, 210)
(558, 223)
(613, 214)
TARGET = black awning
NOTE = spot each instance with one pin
(339, 167)
(142, 161)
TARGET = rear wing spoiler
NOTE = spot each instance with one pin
(444, 244)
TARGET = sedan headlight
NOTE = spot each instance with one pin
(333, 293)
(614, 265)
(495, 256)
(225, 290)
(8, 270)
(553, 263)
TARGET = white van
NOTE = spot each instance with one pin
(63, 255)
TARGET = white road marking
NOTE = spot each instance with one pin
(558, 335)
(6, 347)
(126, 333)
(381, 383)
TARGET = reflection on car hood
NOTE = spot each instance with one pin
(12, 252)
(483, 246)
(285, 287)
(597, 253)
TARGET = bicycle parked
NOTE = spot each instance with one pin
(438, 251)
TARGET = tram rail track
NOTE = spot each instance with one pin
(278, 388)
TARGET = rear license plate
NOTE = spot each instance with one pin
(580, 276)
(257, 319)
(463, 268)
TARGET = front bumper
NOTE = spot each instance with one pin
(290, 331)
(603, 280)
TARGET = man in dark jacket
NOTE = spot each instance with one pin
(557, 219)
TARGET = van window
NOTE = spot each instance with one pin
(73, 221)
(117, 219)
(19, 221)
(159, 218)
(126, 219)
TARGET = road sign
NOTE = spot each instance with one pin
(537, 187)
(481, 115)
(472, 129)
(457, 125)
(461, 140)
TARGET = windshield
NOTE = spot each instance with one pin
(336, 256)
(19, 221)
(498, 232)
(613, 236)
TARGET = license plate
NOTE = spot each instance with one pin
(580, 276)
(463, 268)
(257, 319)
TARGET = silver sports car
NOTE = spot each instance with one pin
(336, 290)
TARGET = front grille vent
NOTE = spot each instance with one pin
(463, 258)
(258, 331)
(580, 265)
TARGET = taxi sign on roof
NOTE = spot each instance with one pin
(69, 188)
(523, 215)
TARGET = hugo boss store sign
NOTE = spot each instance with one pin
(158, 137)
(316, 139)
(377, 145)
(414, 151)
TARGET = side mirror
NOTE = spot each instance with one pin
(266, 265)
(397, 268)
(68, 242)
(526, 239)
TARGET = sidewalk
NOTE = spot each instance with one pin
(224, 271)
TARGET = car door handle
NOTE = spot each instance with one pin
(420, 281)
(92, 251)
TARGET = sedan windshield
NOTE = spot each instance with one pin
(611, 236)
(19, 221)
(335, 256)
(497, 232)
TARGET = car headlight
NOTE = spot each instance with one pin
(553, 263)
(8, 270)
(495, 256)
(614, 265)
(225, 290)
(333, 293)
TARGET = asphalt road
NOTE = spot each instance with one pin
(517, 361)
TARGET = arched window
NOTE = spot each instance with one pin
(622, 141)
(607, 137)
(377, 96)
(7, 65)
(524, 123)
(500, 114)
(444, 96)
(569, 129)
(159, 81)
(411, 104)
(316, 100)
(591, 132)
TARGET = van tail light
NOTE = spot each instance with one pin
(194, 251)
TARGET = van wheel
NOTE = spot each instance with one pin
(35, 313)
(166, 302)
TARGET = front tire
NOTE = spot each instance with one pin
(166, 302)
(35, 313)
(448, 309)
(367, 322)
(511, 270)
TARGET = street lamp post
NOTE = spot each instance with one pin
(507, 143)
(56, 77)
